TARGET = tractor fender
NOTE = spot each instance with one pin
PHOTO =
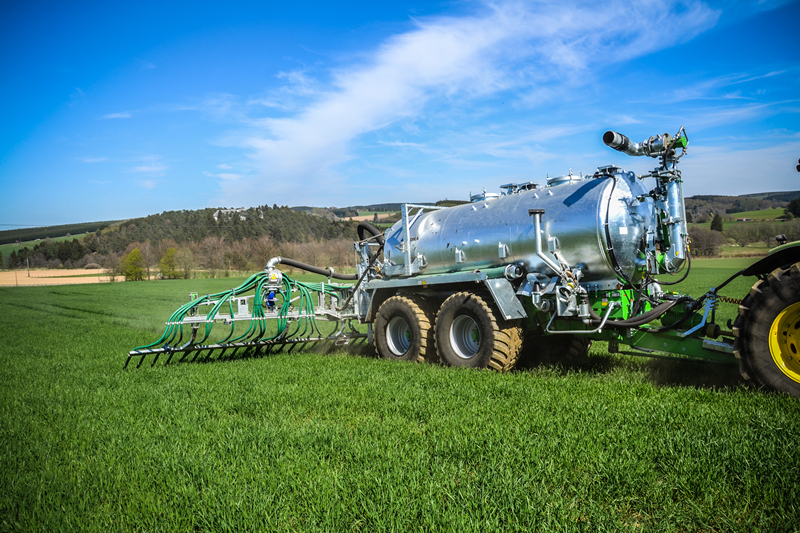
(781, 256)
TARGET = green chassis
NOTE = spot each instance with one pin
(674, 344)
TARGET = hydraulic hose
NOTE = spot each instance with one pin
(642, 319)
(329, 272)
(365, 227)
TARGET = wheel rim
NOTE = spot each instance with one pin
(398, 335)
(784, 341)
(465, 337)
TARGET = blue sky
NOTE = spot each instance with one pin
(113, 111)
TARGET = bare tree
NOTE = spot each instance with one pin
(213, 254)
(262, 250)
(705, 241)
(186, 261)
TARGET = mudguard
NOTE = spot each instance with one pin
(781, 256)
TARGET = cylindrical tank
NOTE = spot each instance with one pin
(499, 231)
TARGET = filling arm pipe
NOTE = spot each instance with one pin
(537, 227)
(621, 143)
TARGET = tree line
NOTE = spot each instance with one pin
(31, 234)
(231, 240)
(703, 208)
(707, 242)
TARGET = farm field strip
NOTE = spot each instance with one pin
(11, 278)
(7, 248)
(310, 442)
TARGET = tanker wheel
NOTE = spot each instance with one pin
(549, 350)
(403, 330)
(767, 332)
(470, 333)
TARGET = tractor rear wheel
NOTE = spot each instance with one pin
(767, 332)
(403, 329)
(471, 333)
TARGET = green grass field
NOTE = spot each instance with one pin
(757, 216)
(379, 213)
(6, 249)
(308, 442)
(763, 214)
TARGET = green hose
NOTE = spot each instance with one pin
(306, 324)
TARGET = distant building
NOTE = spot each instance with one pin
(219, 212)
(744, 220)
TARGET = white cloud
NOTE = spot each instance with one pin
(709, 89)
(224, 166)
(117, 115)
(223, 175)
(92, 159)
(148, 184)
(706, 118)
(533, 48)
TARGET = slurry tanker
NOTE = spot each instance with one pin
(580, 259)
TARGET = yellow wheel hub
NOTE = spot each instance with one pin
(784, 341)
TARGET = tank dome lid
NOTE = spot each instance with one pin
(563, 180)
(481, 196)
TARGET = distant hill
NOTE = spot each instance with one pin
(702, 207)
(31, 234)
(776, 196)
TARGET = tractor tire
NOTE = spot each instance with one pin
(767, 331)
(471, 333)
(550, 350)
(403, 330)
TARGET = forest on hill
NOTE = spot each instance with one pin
(702, 208)
(31, 234)
(211, 239)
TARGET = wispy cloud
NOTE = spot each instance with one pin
(124, 114)
(710, 117)
(528, 48)
(76, 96)
(148, 184)
(92, 159)
(223, 175)
(152, 165)
(713, 89)
(625, 119)
(400, 144)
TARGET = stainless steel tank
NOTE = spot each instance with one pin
(500, 231)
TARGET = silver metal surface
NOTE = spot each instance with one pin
(581, 331)
(506, 298)
(465, 337)
(717, 346)
(398, 335)
(468, 237)
(458, 277)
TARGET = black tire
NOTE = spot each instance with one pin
(470, 333)
(403, 330)
(550, 350)
(767, 332)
